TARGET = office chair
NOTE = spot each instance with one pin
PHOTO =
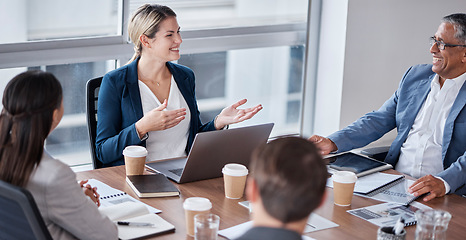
(92, 95)
(19, 216)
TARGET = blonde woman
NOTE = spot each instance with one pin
(151, 101)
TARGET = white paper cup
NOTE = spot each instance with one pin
(343, 187)
(135, 159)
(193, 206)
(234, 177)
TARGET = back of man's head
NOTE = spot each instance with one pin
(458, 20)
(290, 176)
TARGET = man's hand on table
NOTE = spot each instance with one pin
(428, 184)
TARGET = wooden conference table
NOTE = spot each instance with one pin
(231, 213)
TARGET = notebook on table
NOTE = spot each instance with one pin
(359, 164)
(373, 184)
(211, 151)
(152, 185)
(135, 212)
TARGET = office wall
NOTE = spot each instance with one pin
(382, 40)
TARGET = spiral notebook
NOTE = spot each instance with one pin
(374, 183)
(136, 212)
(387, 214)
(111, 196)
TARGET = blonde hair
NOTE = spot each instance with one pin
(146, 21)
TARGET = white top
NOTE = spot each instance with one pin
(421, 153)
(168, 143)
(67, 212)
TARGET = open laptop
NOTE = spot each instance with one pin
(211, 151)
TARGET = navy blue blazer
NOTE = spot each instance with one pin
(120, 107)
(400, 111)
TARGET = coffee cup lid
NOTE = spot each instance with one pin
(344, 177)
(234, 169)
(197, 204)
(135, 151)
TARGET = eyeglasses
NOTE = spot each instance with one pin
(441, 45)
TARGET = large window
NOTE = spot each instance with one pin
(33, 20)
(237, 49)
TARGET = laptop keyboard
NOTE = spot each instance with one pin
(177, 171)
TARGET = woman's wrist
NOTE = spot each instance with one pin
(141, 133)
(217, 125)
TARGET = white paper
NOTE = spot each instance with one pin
(316, 223)
(122, 211)
(135, 212)
(386, 214)
(238, 230)
(128, 232)
(111, 196)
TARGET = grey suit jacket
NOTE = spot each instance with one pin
(400, 111)
(270, 234)
(67, 212)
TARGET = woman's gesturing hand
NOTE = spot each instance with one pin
(159, 119)
(232, 114)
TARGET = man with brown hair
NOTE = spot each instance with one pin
(287, 182)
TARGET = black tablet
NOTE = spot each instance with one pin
(359, 164)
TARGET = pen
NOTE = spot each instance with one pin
(135, 224)
(398, 228)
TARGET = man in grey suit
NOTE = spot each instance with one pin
(287, 182)
(428, 111)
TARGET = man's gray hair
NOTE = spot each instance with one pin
(458, 20)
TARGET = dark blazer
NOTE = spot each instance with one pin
(120, 107)
(400, 111)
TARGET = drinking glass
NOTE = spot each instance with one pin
(206, 226)
(432, 224)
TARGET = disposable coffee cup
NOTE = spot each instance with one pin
(193, 206)
(343, 187)
(135, 158)
(234, 178)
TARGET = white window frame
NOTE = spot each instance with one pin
(92, 49)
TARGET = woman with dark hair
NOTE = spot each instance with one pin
(32, 108)
(151, 101)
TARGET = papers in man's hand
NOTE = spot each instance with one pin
(111, 196)
(397, 193)
(238, 230)
(386, 214)
(136, 212)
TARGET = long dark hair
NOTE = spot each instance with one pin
(29, 101)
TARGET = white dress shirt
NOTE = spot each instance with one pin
(421, 153)
(168, 143)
